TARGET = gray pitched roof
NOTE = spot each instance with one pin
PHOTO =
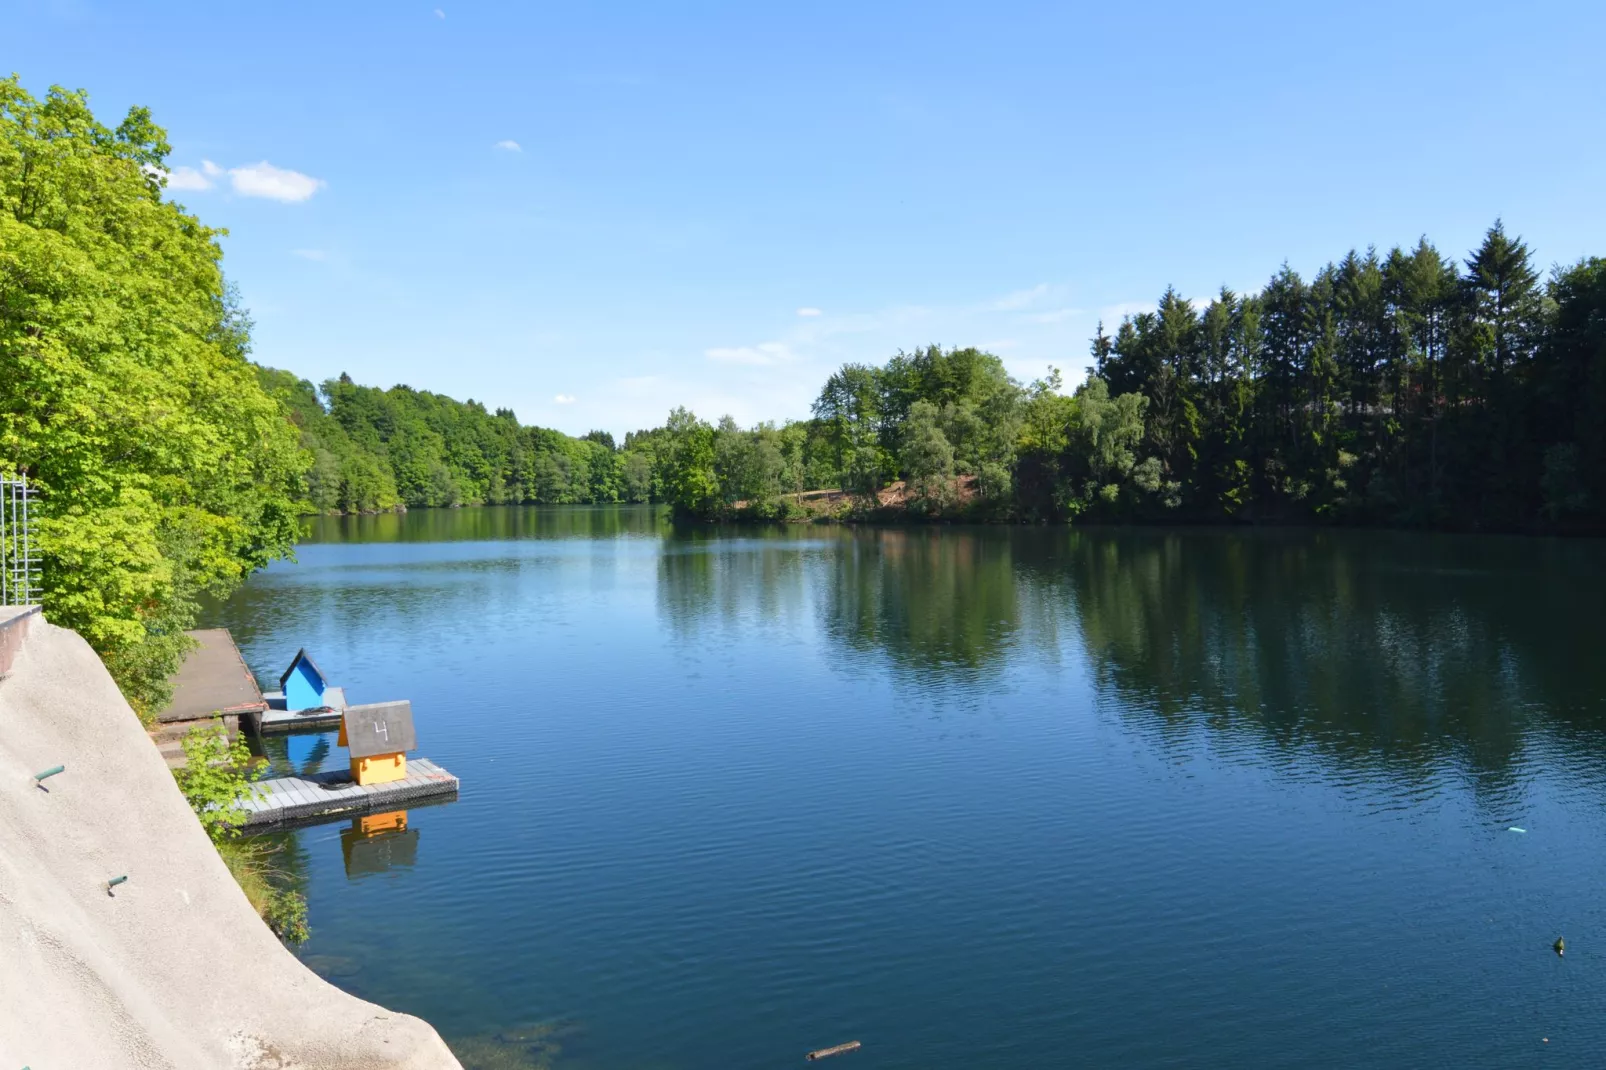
(301, 655)
(380, 728)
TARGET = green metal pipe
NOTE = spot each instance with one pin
(48, 773)
(114, 882)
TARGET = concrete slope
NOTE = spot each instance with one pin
(175, 970)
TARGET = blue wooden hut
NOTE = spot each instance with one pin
(303, 684)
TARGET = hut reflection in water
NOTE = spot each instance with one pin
(376, 843)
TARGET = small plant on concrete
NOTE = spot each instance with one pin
(216, 779)
(284, 909)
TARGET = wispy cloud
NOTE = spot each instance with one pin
(809, 310)
(508, 145)
(765, 353)
(310, 254)
(187, 178)
(439, 13)
(1020, 299)
(564, 399)
(273, 183)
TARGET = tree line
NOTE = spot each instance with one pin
(373, 450)
(1397, 389)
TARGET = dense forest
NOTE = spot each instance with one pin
(373, 450)
(1400, 389)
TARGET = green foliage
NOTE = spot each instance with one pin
(216, 779)
(927, 457)
(687, 464)
(377, 450)
(164, 471)
(251, 862)
(1392, 389)
(850, 414)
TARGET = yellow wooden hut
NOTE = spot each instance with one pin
(378, 736)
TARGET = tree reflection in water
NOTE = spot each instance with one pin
(1397, 650)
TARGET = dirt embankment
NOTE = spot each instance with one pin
(174, 970)
(894, 500)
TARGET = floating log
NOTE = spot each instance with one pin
(840, 1049)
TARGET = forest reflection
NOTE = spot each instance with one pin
(1391, 648)
(481, 523)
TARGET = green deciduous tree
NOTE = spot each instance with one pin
(928, 459)
(163, 469)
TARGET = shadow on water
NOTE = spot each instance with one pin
(1397, 650)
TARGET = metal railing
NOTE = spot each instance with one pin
(19, 554)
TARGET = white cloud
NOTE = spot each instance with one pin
(310, 254)
(764, 353)
(509, 145)
(274, 183)
(439, 13)
(187, 178)
(253, 180)
(564, 399)
(809, 311)
(1020, 299)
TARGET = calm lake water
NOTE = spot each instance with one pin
(976, 797)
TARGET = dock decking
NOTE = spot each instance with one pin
(283, 800)
(276, 719)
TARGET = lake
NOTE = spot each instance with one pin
(1004, 798)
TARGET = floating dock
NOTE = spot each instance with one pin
(298, 799)
(275, 718)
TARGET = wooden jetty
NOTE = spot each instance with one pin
(298, 799)
(211, 682)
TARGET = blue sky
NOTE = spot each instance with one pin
(594, 212)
